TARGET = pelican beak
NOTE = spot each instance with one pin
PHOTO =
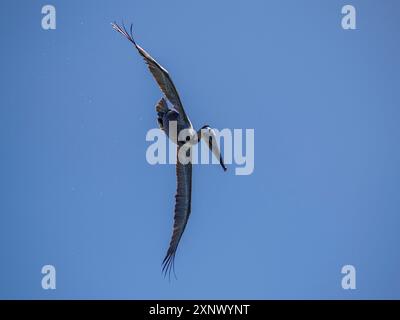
(211, 138)
(221, 161)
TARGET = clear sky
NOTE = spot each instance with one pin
(77, 193)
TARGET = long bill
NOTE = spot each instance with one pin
(208, 135)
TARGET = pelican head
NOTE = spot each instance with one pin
(209, 136)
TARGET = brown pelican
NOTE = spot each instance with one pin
(165, 116)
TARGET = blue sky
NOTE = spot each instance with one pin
(76, 190)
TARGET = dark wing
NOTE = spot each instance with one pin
(183, 200)
(161, 75)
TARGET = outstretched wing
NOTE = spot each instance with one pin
(161, 75)
(183, 199)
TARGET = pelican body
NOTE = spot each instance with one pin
(177, 118)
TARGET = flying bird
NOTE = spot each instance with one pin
(165, 116)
